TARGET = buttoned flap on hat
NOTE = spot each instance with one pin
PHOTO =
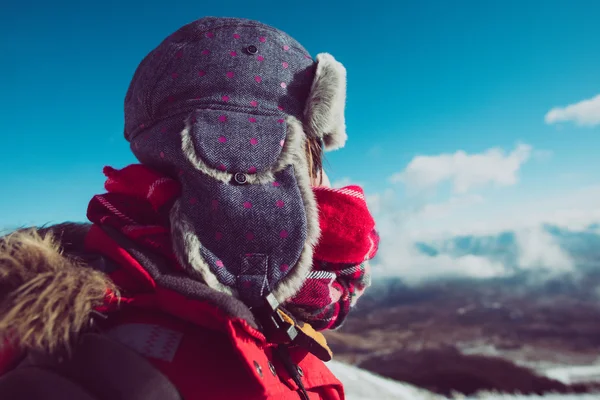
(226, 106)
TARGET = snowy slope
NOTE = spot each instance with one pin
(574, 373)
(363, 385)
(590, 396)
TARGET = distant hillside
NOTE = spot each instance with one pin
(468, 335)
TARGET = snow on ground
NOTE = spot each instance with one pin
(363, 385)
(565, 369)
(574, 373)
(589, 396)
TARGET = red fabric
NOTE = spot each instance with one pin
(341, 271)
(9, 356)
(215, 350)
(349, 235)
(137, 205)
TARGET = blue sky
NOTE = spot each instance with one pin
(426, 78)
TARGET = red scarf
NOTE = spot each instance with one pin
(139, 199)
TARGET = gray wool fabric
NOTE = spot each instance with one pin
(228, 86)
(207, 64)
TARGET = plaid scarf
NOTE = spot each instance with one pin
(138, 201)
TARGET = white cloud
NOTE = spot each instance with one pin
(404, 222)
(465, 171)
(584, 113)
(538, 249)
(398, 256)
(474, 215)
(379, 203)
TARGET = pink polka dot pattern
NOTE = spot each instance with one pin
(244, 100)
(193, 200)
(171, 99)
(163, 129)
(179, 54)
(247, 284)
(162, 155)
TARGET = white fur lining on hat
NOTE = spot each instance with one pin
(324, 111)
(187, 245)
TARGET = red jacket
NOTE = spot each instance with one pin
(204, 352)
(202, 347)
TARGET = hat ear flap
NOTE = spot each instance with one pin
(324, 111)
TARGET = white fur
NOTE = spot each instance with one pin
(295, 279)
(187, 250)
(187, 146)
(324, 111)
(187, 245)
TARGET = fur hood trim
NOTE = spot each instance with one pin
(46, 297)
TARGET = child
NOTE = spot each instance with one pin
(210, 268)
